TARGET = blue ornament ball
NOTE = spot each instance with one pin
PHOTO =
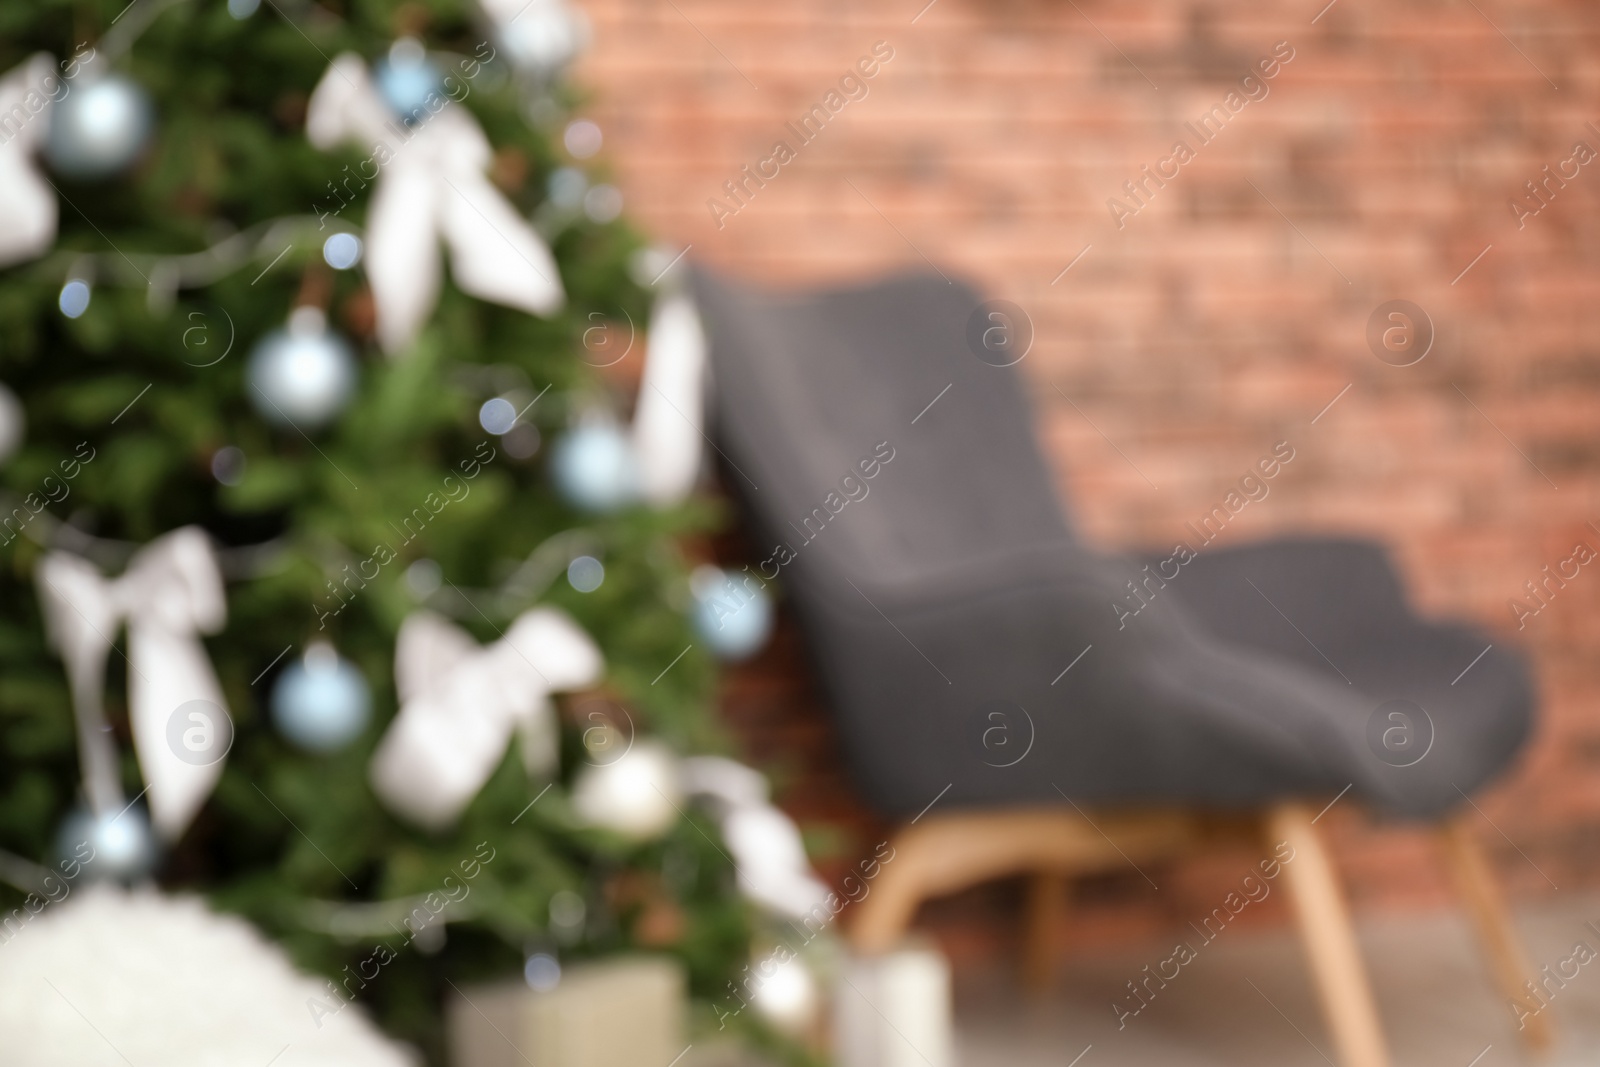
(732, 612)
(497, 415)
(114, 846)
(74, 298)
(542, 972)
(586, 574)
(302, 376)
(567, 186)
(406, 79)
(321, 703)
(545, 37)
(341, 251)
(100, 128)
(594, 467)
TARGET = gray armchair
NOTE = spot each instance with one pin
(984, 664)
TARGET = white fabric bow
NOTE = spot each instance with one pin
(461, 702)
(170, 593)
(430, 183)
(27, 203)
(638, 795)
(768, 853)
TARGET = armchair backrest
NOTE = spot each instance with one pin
(864, 432)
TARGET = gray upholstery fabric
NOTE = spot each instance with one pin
(943, 597)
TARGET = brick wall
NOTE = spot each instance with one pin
(1224, 315)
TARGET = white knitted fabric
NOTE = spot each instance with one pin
(111, 977)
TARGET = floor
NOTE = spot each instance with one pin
(1248, 1000)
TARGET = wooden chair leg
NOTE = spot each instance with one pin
(1480, 891)
(1329, 939)
(884, 915)
(1046, 910)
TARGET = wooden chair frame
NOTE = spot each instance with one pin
(941, 854)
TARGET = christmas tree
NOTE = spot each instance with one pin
(223, 307)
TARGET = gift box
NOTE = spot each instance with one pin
(894, 1010)
(626, 1012)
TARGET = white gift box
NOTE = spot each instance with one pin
(894, 1010)
(626, 1012)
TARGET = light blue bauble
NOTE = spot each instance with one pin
(586, 574)
(732, 612)
(116, 846)
(545, 37)
(566, 187)
(594, 467)
(406, 78)
(99, 128)
(302, 376)
(542, 972)
(341, 251)
(497, 415)
(74, 298)
(321, 703)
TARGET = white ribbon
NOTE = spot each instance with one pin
(27, 203)
(460, 704)
(170, 593)
(639, 793)
(768, 853)
(430, 184)
(672, 395)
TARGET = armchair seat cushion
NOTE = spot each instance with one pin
(1334, 607)
(1022, 683)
